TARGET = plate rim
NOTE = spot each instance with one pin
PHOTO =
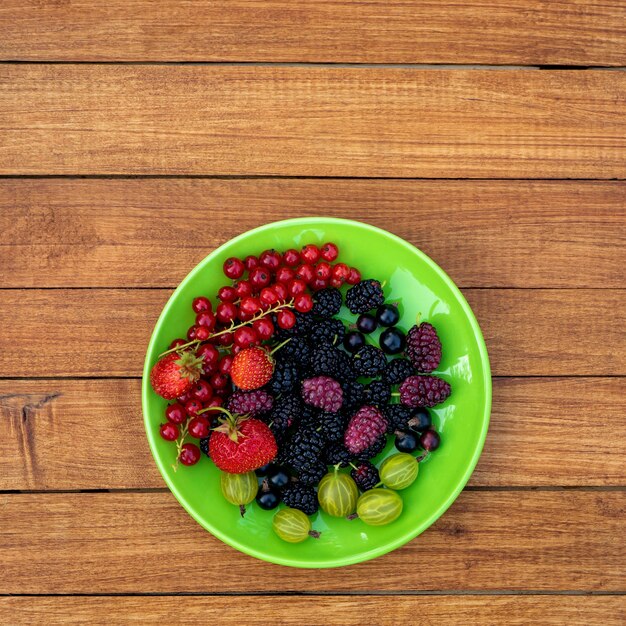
(401, 539)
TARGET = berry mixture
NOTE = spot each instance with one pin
(292, 380)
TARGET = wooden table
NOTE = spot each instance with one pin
(136, 136)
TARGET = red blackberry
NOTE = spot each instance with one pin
(364, 296)
(251, 403)
(323, 392)
(284, 378)
(337, 454)
(397, 370)
(327, 302)
(369, 361)
(332, 426)
(424, 391)
(312, 474)
(301, 497)
(375, 449)
(329, 331)
(378, 393)
(365, 475)
(364, 428)
(423, 347)
(397, 416)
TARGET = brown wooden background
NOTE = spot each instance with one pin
(136, 136)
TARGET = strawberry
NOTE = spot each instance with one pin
(252, 368)
(175, 373)
(241, 445)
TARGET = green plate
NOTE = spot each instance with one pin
(419, 286)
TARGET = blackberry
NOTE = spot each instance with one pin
(423, 347)
(337, 454)
(325, 361)
(301, 497)
(312, 474)
(204, 445)
(252, 403)
(364, 296)
(397, 416)
(378, 393)
(365, 475)
(424, 391)
(364, 428)
(304, 448)
(345, 367)
(327, 331)
(369, 361)
(297, 351)
(353, 395)
(397, 370)
(332, 426)
(284, 378)
(304, 322)
(327, 302)
(287, 411)
(322, 392)
(376, 448)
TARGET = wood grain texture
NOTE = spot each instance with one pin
(415, 31)
(110, 233)
(551, 541)
(93, 119)
(104, 332)
(319, 610)
(543, 432)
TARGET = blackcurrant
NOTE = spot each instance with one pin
(392, 341)
(420, 420)
(430, 440)
(268, 499)
(263, 470)
(406, 442)
(366, 323)
(353, 341)
(387, 315)
(277, 477)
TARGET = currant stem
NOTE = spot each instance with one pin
(179, 443)
(280, 345)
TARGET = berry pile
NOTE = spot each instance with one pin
(276, 388)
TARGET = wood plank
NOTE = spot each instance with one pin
(543, 432)
(320, 610)
(109, 233)
(416, 31)
(104, 119)
(145, 542)
(104, 332)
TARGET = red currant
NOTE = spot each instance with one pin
(191, 333)
(184, 398)
(227, 294)
(226, 312)
(219, 381)
(305, 272)
(330, 251)
(251, 262)
(201, 304)
(264, 328)
(202, 333)
(285, 275)
(249, 306)
(202, 391)
(199, 427)
(246, 336)
(225, 339)
(169, 431)
(259, 278)
(234, 267)
(177, 342)
(323, 270)
(270, 259)
(335, 282)
(206, 319)
(176, 413)
(318, 283)
(291, 257)
(192, 407)
(268, 296)
(341, 270)
(189, 454)
(310, 254)
(285, 319)
(296, 287)
(354, 276)
(225, 364)
(215, 401)
(303, 303)
(209, 355)
(281, 292)
(243, 289)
